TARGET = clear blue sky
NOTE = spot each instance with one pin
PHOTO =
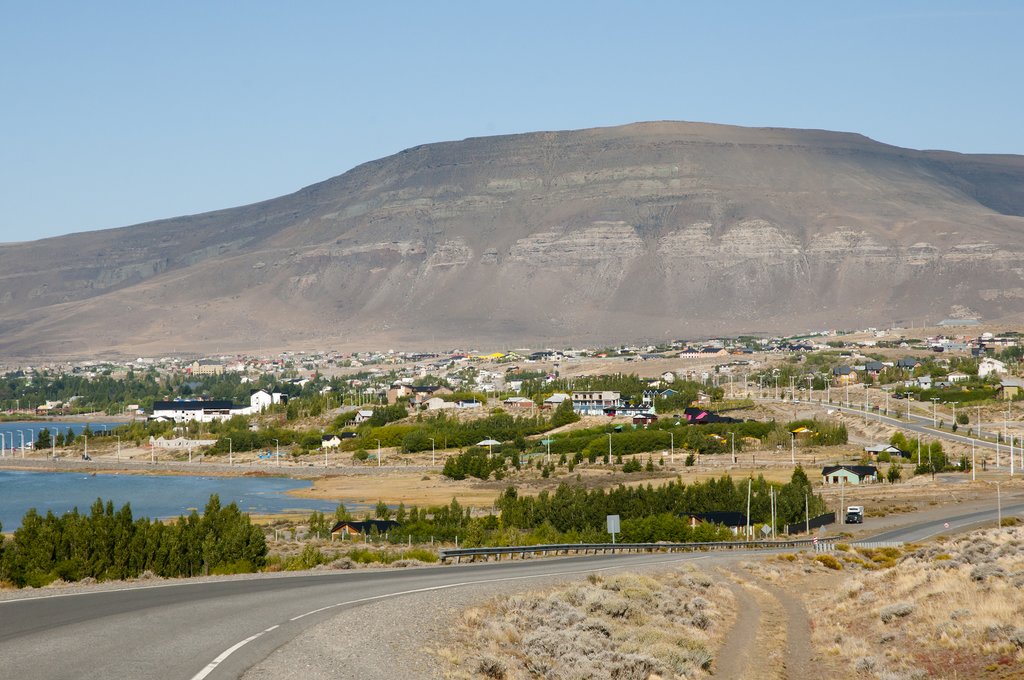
(114, 113)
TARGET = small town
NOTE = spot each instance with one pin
(512, 341)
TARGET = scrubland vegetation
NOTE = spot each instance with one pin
(626, 627)
(953, 609)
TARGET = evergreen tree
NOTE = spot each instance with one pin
(564, 414)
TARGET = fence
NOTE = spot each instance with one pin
(527, 551)
(819, 521)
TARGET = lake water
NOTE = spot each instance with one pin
(14, 433)
(149, 495)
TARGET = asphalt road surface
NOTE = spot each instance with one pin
(218, 629)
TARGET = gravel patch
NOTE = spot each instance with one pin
(383, 640)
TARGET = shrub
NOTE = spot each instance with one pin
(989, 570)
(421, 554)
(829, 561)
(898, 610)
(489, 667)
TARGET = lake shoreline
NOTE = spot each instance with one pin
(167, 494)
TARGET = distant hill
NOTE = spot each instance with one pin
(645, 231)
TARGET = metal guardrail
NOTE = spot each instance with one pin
(876, 544)
(527, 551)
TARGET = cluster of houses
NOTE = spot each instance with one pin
(1009, 387)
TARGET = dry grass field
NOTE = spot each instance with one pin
(948, 610)
(626, 627)
(953, 608)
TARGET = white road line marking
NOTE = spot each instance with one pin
(223, 655)
(235, 647)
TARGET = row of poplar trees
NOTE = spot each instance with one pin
(110, 544)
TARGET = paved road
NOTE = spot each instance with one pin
(194, 630)
(918, 423)
(179, 630)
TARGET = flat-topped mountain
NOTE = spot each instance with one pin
(645, 231)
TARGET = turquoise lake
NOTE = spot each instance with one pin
(155, 496)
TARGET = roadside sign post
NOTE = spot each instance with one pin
(613, 526)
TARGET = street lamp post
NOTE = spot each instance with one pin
(792, 448)
(118, 446)
(979, 421)
(672, 447)
(609, 447)
(277, 451)
(378, 453)
(733, 436)
(230, 451)
(999, 506)
(432, 448)
(935, 405)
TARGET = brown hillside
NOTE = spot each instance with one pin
(646, 231)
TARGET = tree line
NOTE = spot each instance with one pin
(572, 514)
(110, 544)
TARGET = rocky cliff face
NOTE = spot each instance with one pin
(647, 231)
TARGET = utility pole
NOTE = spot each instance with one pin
(807, 513)
(748, 508)
(999, 507)
(842, 500)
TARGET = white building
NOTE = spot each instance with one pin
(261, 400)
(203, 411)
(555, 400)
(596, 401)
(988, 366)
